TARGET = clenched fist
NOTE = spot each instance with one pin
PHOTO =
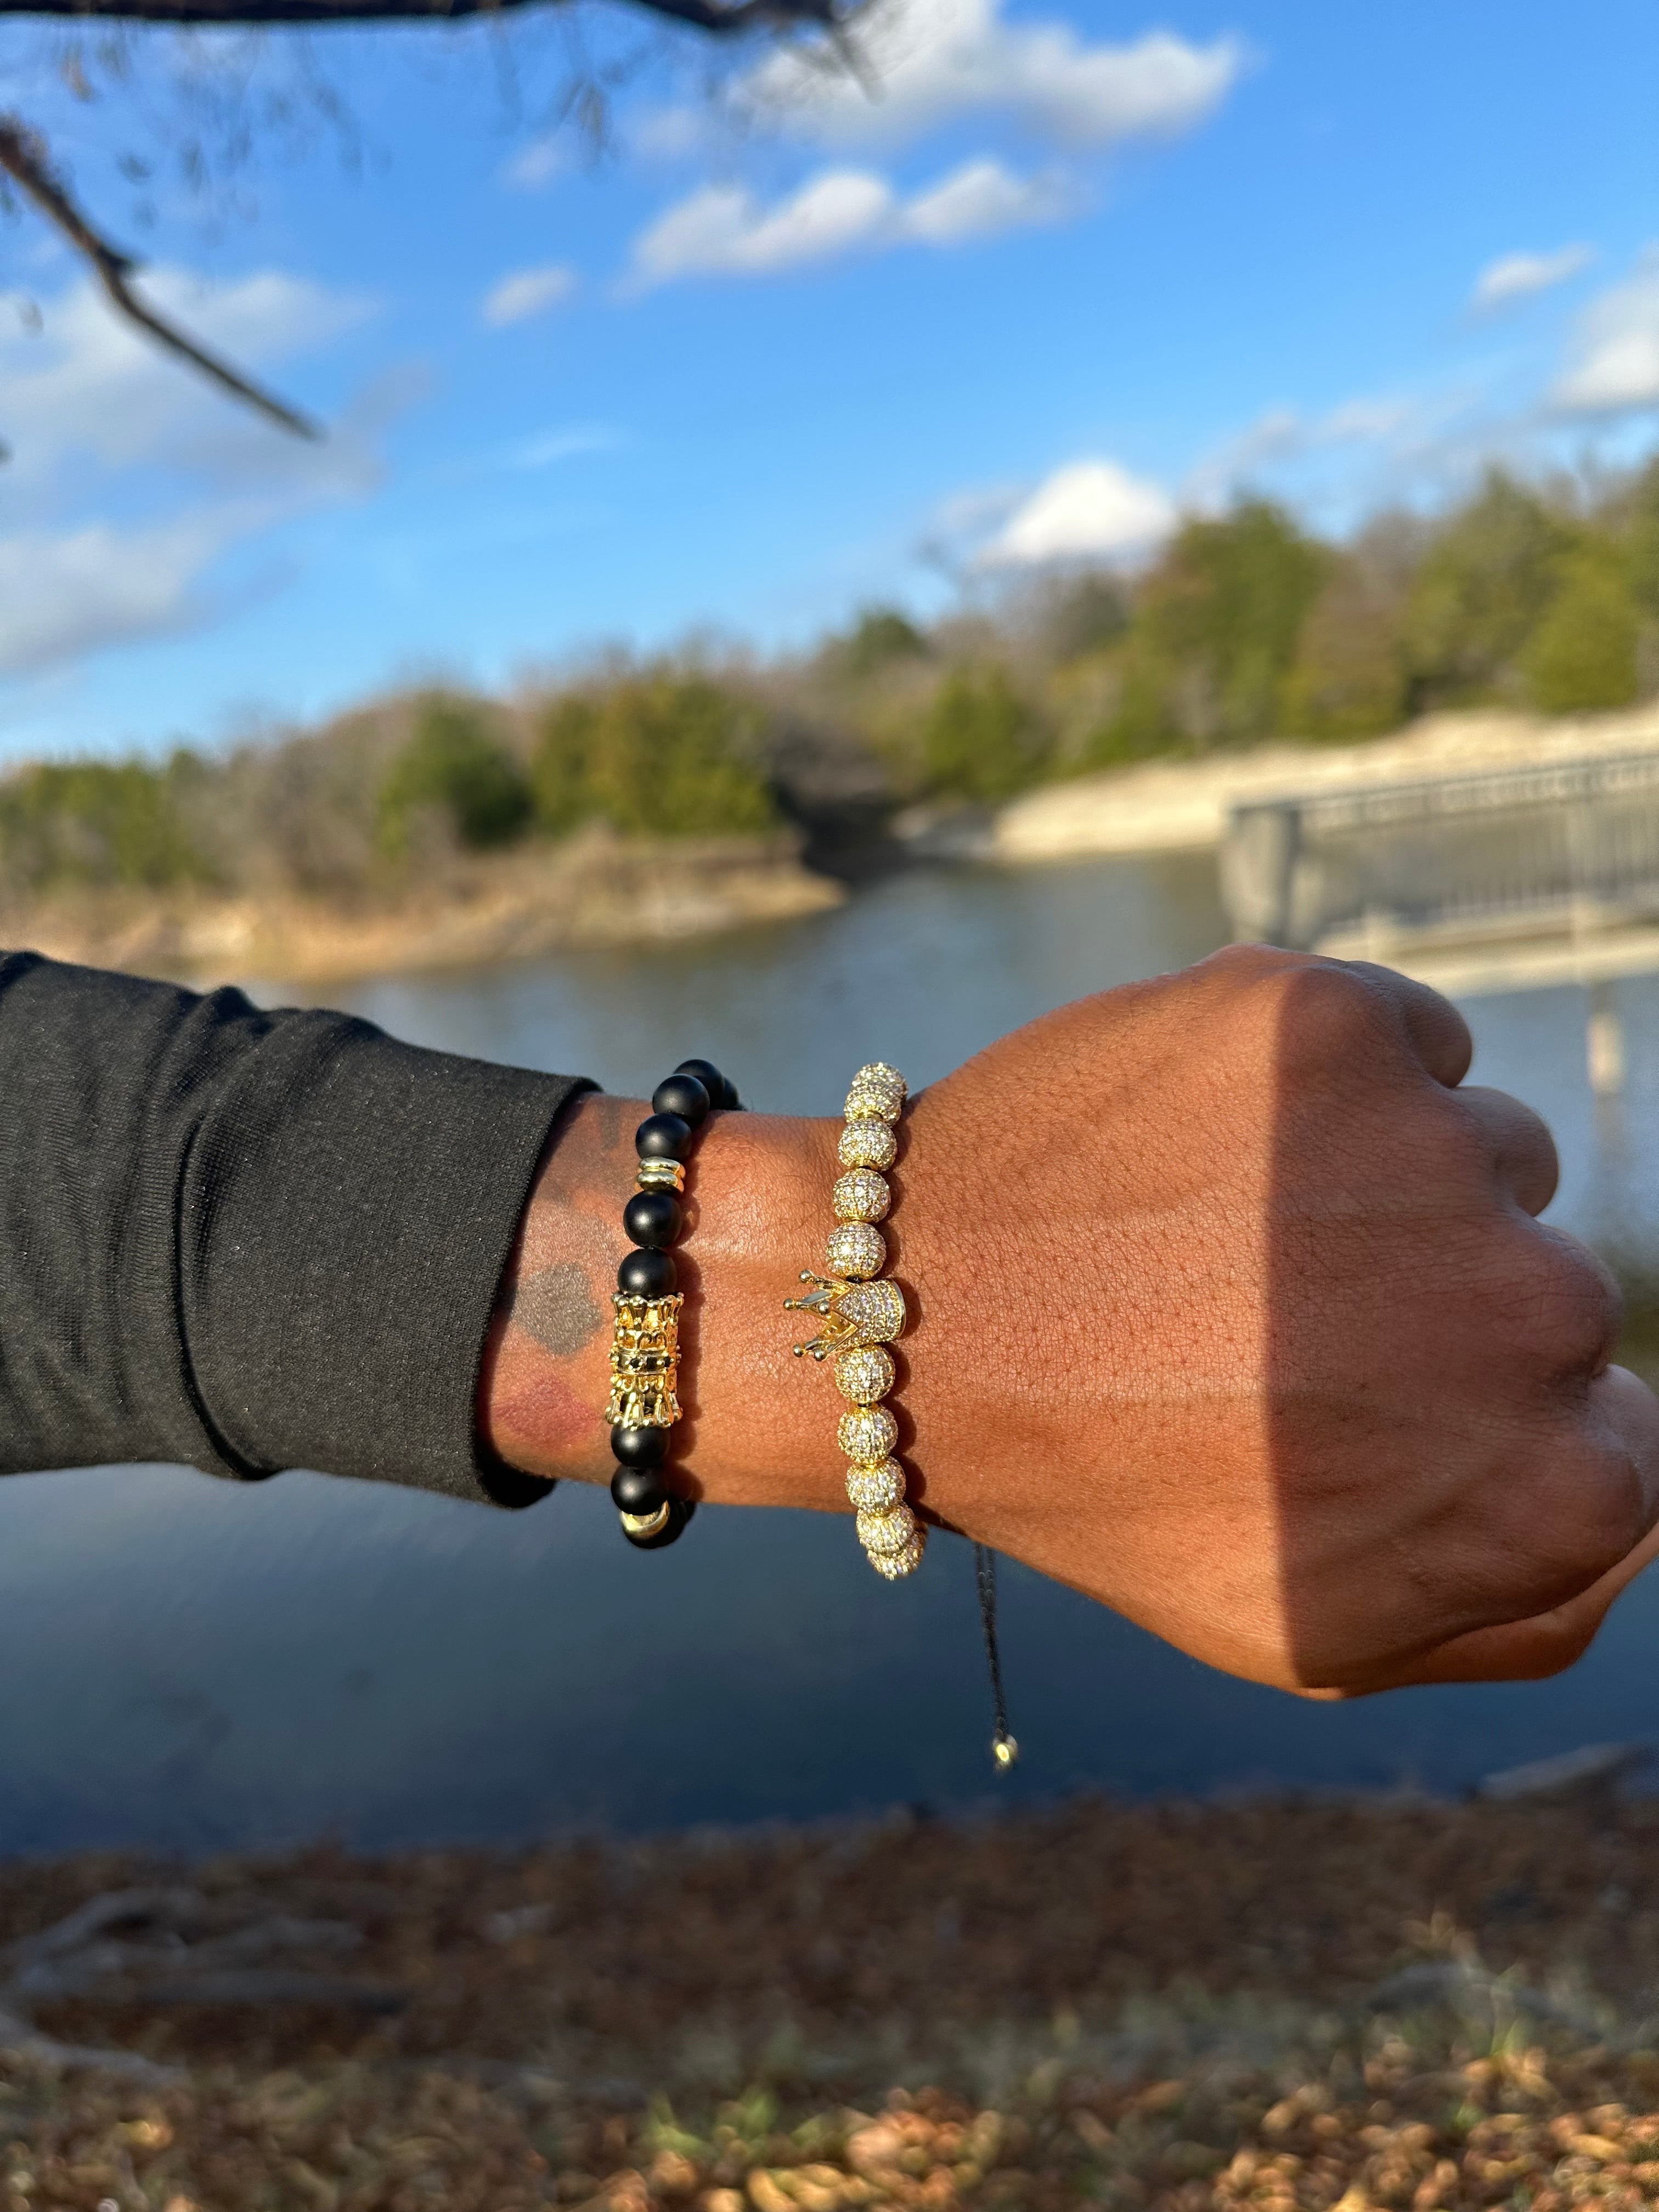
(1230, 1308)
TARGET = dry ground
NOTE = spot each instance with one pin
(1259, 2006)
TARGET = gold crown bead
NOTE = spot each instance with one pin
(860, 1195)
(865, 1373)
(876, 1489)
(877, 1093)
(867, 1434)
(894, 1565)
(855, 1251)
(867, 1144)
(888, 1532)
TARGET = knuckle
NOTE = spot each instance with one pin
(1576, 1304)
(1239, 967)
(1330, 1017)
(1581, 1521)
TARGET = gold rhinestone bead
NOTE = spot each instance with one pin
(876, 1489)
(867, 1144)
(894, 1565)
(876, 1310)
(878, 1091)
(890, 1531)
(855, 1250)
(860, 1195)
(867, 1434)
(865, 1373)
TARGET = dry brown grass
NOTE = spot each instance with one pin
(1185, 2008)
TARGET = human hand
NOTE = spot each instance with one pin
(1228, 1308)
(1234, 1314)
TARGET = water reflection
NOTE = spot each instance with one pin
(198, 1666)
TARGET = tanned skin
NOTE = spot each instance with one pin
(1228, 1307)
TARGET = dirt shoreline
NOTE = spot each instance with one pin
(1287, 2007)
(592, 890)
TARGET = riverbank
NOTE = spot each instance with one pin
(1182, 805)
(593, 889)
(1277, 2006)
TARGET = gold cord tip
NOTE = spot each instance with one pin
(1005, 1751)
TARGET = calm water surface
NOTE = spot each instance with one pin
(193, 1665)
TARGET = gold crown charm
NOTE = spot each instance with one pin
(645, 1360)
(853, 1313)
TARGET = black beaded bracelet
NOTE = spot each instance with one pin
(645, 1347)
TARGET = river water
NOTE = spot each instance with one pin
(196, 1666)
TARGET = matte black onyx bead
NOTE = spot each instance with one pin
(641, 1447)
(647, 1275)
(680, 1510)
(652, 1218)
(637, 1490)
(682, 1095)
(720, 1092)
(663, 1137)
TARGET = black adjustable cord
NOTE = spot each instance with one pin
(1003, 1749)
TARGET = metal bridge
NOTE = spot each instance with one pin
(1492, 881)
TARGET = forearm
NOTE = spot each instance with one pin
(755, 1429)
(247, 1240)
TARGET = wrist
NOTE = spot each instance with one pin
(752, 1432)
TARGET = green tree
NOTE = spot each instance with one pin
(1215, 632)
(1642, 542)
(1582, 657)
(879, 636)
(1085, 615)
(561, 764)
(101, 823)
(455, 767)
(1348, 679)
(980, 741)
(1481, 591)
(672, 757)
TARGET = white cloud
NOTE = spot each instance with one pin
(62, 594)
(1518, 275)
(88, 403)
(723, 230)
(528, 292)
(537, 164)
(1088, 510)
(89, 385)
(1613, 363)
(1283, 436)
(979, 199)
(552, 446)
(936, 61)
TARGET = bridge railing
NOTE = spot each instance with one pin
(1571, 844)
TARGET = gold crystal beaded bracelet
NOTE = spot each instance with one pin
(862, 1316)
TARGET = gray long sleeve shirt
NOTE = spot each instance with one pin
(249, 1240)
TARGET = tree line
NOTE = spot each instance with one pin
(1543, 598)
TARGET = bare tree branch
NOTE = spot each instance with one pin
(701, 14)
(24, 159)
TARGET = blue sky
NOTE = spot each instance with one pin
(782, 348)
